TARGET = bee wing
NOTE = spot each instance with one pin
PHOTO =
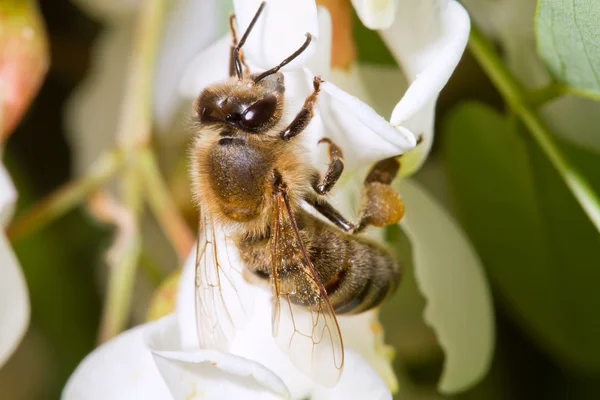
(223, 302)
(309, 333)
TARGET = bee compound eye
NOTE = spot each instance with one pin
(260, 112)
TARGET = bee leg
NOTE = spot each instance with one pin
(234, 43)
(302, 119)
(334, 170)
(329, 212)
(381, 204)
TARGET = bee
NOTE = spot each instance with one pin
(253, 183)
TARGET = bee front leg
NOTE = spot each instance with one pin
(302, 119)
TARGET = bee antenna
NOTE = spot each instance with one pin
(236, 50)
(286, 61)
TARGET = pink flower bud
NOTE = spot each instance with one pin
(23, 60)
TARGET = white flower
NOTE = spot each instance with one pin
(447, 267)
(160, 357)
(427, 38)
(14, 299)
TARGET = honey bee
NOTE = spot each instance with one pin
(252, 182)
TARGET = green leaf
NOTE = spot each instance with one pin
(567, 37)
(539, 247)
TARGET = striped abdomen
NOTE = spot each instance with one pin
(357, 274)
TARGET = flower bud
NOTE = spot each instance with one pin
(23, 60)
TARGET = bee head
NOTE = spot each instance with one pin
(251, 103)
(244, 104)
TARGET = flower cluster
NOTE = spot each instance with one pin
(427, 38)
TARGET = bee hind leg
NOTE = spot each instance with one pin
(381, 205)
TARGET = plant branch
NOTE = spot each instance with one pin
(516, 96)
(133, 131)
(121, 259)
(163, 207)
(554, 90)
(548, 93)
(136, 120)
(67, 197)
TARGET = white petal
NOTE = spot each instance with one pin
(209, 66)
(320, 62)
(227, 299)
(14, 299)
(364, 135)
(93, 110)
(207, 373)
(190, 26)
(255, 341)
(279, 32)
(185, 303)
(364, 334)
(451, 278)
(212, 64)
(122, 368)
(8, 196)
(376, 14)
(427, 38)
(359, 381)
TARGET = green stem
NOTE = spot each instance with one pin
(581, 93)
(133, 131)
(552, 91)
(516, 96)
(121, 279)
(151, 267)
(65, 198)
(163, 207)
(136, 120)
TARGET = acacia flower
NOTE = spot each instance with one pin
(427, 40)
(163, 357)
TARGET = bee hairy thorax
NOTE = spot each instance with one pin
(241, 172)
(357, 274)
(238, 176)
